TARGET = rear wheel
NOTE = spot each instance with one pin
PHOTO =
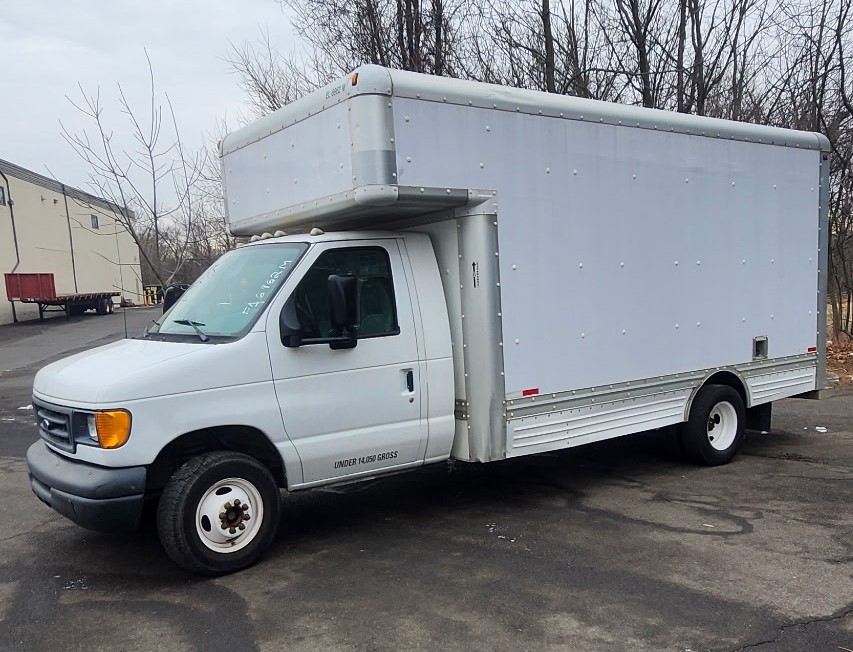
(218, 513)
(715, 428)
(102, 308)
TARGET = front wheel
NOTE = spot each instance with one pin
(218, 513)
(715, 428)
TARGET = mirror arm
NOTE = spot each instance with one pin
(325, 340)
(340, 342)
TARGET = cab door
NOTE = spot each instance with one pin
(354, 411)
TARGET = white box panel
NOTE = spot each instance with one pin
(308, 160)
(628, 253)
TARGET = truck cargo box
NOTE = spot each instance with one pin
(600, 262)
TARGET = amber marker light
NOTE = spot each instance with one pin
(354, 78)
(113, 428)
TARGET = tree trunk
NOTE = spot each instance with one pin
(549, 47)
(438, 21)
(679, 61)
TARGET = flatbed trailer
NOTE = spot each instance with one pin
(40, 289)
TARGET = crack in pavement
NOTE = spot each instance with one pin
(32, 529)
(796, 457)
(803, 623)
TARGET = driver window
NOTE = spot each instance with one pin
(372, 268)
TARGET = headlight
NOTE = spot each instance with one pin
(112, 428)
(93, 429)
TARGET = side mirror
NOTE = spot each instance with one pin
(288, 322)
(172, 294)
(343, 302)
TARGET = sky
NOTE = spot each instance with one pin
(48, 46)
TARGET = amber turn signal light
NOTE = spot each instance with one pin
(113, 428)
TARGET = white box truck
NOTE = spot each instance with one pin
(441, 269)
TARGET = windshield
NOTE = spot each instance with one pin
(234, 290)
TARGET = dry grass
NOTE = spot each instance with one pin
(839, 360)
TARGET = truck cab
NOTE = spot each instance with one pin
(307, 359)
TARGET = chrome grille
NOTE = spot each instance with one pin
(54, 426)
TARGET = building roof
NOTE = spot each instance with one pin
(48, 183)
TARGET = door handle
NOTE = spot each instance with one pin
(410, 380)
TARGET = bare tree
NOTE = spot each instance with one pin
(408, 34)
(271, 79)
(553, 46)
(155, 185)
(338, 36)
(637, 19)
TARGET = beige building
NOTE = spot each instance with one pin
(48, 227)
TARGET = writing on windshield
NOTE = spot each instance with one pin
(267, 286)
(234, 290)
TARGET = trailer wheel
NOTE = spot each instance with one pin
(715, 428)
(218, 513)
(102, 308)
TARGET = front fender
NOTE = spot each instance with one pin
(158, 421)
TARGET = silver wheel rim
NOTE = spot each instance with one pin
(722, 425)
(229, 515)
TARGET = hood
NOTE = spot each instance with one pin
(129, 370)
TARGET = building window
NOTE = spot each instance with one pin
(95, 222)
(2, 196)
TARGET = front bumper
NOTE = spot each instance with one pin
(95, 497)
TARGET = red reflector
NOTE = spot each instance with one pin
(530, 392)
(812, 349)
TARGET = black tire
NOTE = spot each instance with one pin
(188, 493)
(716, 408)
(102, 308)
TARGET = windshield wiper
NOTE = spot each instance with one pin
(145, 332)
(195, 325)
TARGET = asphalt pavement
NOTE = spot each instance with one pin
(614, 546)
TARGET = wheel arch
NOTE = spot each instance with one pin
(728, 377)
(237, 438)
